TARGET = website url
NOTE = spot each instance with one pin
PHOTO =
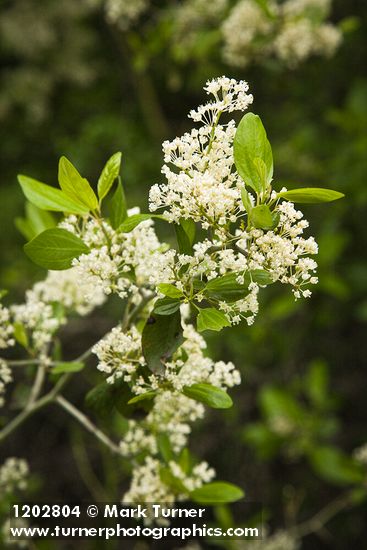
(118, 531)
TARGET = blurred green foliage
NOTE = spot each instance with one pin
(70, 84)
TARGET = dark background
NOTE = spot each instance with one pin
(72, 84)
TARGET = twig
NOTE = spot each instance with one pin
(21, 362)
(27, 412)
(37, 385)
(37, 404)
(317, 522)
(24, 415)
(88, 425)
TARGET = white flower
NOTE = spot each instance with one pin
(245, 31)
(5, 378)
(13, 475)
(6, 329)
(120, 262)
(119, 354)
(360, 454)
(201, 181)
(125, 13)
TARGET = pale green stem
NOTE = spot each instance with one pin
(87, 424)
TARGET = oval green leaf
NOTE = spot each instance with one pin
(142, 397)
(311, 195)
(166, 306)
(211, 319)
(217, 492)
(109, 174)
(185, 235)
(162, 336)
(170, 290)
(252, 153)
(133, 221)
(48, 198)
(118, 206)
(209, 395)
(55, 248)
(74, 186)
(261, 217)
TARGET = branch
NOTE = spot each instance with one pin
(88, 425)
(318, 521)
(24, 415)
(37, 385)
(31, 408)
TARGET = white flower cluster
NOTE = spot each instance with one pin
(119, 354)
(65, 288)
(13, 475)
(172, 413)
(201, 183)
(125, 13)
(190, 18)
(38, 319)
(41, 315)
(360, 454)
(204, 186)
(246, 32)
(6, 329)
(283, 252)
(292, 31)
(147, 485)
(119, 262)
(5, 378)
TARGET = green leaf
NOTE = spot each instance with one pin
(311, 195)
(185, 460)
(99, 399)
(36, 221)
(25, 228)
(166, 306)
(209, 395)
(252, 153)
(20, 334)
(259, 276)
(109, 174)
(336, 467)
(164, 446)
(142, 397)
(261, 217)
(217, 492)
(162, 336)
(170, 290)
(74, 366)
(277, 402)
(118, 206)
(246, 200)
(211, 319)
(133, 221)
(76, 187)
(39, 219)
(106, 398)
(48, 198)
(317, 383)
(185, 234)
(171, 481)
(55, 248)
(226, 288)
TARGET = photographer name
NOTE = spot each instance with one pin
(153, 510)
